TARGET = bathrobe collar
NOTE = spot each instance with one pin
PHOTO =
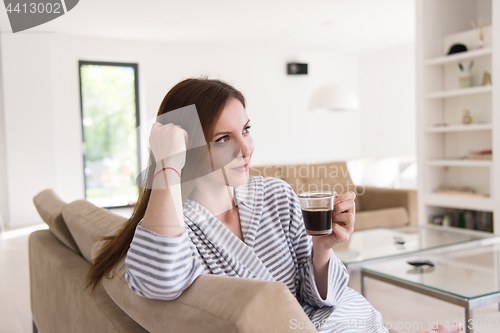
(236, 252)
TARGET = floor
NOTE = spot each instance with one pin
(15, 313)
(404, 311)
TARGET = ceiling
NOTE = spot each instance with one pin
(353, 25)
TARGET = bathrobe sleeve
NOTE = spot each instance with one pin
(161, 267)
(307, 291)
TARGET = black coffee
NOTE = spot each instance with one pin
(318, 221)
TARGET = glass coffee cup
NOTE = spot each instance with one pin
(317, 210)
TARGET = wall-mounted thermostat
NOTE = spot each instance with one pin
(294, 68)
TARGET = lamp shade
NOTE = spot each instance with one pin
(334, 97)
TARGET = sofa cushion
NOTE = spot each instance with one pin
(88, 223)
(50, 206)
(381, 218)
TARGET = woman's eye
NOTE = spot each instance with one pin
(222, 139)
(225, 138)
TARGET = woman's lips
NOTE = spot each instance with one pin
(242, 168)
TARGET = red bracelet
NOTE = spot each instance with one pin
(166, 169)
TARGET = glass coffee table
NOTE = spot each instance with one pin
(469, 278)
(379, 245)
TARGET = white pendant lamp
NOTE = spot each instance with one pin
(335, 98)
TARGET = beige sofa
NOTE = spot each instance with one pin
(375, 207)
(59, 260)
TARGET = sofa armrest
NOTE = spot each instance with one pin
(211, 304)
(59, 301)
(375, 198)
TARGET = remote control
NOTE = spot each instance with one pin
(421, 263)
(399, 240)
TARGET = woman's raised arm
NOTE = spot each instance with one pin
(162, 262)
(164, 213)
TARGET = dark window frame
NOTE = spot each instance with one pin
(137, 115)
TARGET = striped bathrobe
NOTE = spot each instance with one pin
(275, 248)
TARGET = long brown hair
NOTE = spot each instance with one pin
(209, 98)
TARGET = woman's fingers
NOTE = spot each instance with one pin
(346, 196)
(341, 233)
(346, 206)
(344, 202)
(344, 220)
(169, 143)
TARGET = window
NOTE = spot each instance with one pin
(110, 114)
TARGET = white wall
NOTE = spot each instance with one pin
(387, 102)
(29, 122)
(4, 193)
(42, 107)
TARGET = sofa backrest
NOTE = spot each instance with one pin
(89, 223)
(212, 303)
(50, 206)
(79, 224)
(267, 171)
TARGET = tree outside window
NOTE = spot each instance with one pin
(110, 114)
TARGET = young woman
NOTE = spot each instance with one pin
(218, 221)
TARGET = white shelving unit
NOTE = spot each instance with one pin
(460, 202)
(441, 149)
(459, 56)
(460, 128)
(459, 92)
(462, 163)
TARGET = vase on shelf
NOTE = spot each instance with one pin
(466, 118)
(465, 80)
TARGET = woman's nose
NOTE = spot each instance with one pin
(245, 147)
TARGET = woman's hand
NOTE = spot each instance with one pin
(342, 228)
(344, 211)
(168, 143)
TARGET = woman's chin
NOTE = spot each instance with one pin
(236, 178)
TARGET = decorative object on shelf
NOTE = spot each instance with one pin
(335, 98)
(452, 215)
(484, 154)
(481, 32)
(461, 219)
(486, 78)
(465, 79)
(466, 118)
(446, 220)
(457, 48)
(436, 219)
(484, 221)
(469, 220)
(462, 191)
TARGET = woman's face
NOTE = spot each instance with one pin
(232, 145)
